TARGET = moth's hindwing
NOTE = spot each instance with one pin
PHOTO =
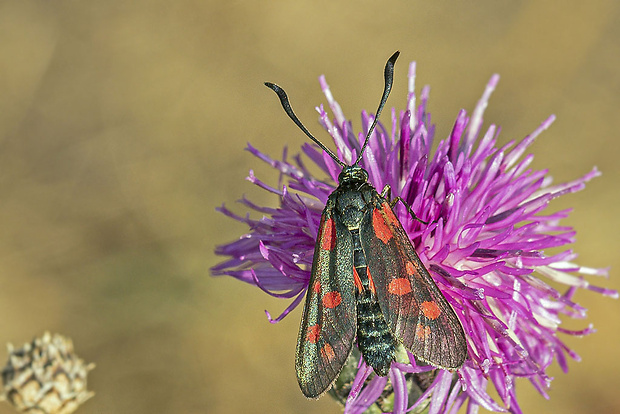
(329, 321)
(412, 304)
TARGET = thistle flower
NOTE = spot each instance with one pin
(484, 246)
(45, 376)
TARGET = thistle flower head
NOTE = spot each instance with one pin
(484, 246)
(46, 377)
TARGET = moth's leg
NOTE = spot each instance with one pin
(387, 194)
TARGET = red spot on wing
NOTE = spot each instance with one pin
(411, 270)
(400, 286)
(430, 309)
(317, 287)
(382, 230)
(390, 214)
(422, 331)
(312, 334)
(328, 235)
(357, 280)
(332, 299)
(327, 352)
(371, 282)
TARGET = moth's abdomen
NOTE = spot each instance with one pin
(374, 338)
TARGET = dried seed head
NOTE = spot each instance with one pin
(45, 376)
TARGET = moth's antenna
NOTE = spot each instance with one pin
(389, 77)
(289, 111)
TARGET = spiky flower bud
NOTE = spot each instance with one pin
(45, 376)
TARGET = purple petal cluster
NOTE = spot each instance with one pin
(485, 245)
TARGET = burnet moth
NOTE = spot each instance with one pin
(367, 282)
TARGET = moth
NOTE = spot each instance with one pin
(368, 284)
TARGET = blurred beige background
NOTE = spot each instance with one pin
(122, 127)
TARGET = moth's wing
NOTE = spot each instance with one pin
(329, 321)
(414, 308)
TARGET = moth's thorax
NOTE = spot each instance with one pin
(353, 196)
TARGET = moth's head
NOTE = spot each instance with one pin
(353, 174)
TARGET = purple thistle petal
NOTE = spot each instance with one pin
(454, 401)
(286, 311)
(358, 402)
(443, 381)
(484, 245)
(399, 383)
